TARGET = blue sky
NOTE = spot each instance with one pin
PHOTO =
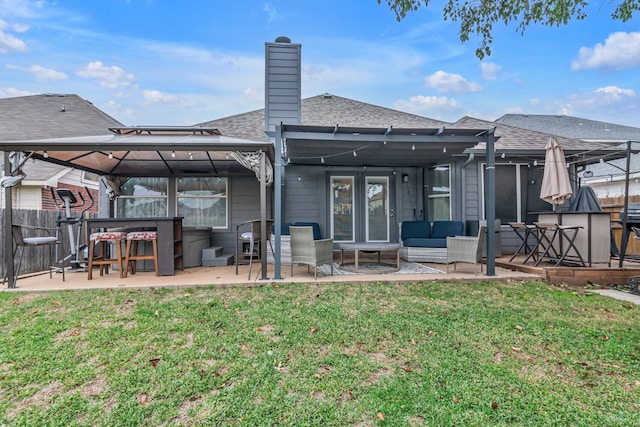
(164, 62)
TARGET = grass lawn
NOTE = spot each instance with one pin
(394, 354)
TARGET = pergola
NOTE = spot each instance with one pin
(391, 147)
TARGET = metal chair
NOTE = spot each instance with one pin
(523, 231)
(249, 232)
(466, 249)
(47, 237)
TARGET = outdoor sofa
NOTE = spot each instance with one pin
(422, 241)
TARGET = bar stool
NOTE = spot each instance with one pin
(523, 231)
(132, 257)
(102, 240)
(546, 236)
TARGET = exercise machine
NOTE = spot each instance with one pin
(65, 202)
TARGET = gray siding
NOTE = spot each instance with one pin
(472, 187)
(244, 202)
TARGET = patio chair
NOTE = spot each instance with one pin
(250, 238)
(466, 249)
(305, 250)
(44, 237)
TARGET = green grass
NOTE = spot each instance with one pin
(320, 354)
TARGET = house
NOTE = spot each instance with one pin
(356, 169)
(50, 116)
(606, 177)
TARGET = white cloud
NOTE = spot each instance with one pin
(157, 97)
(620, 51)
(109, 77)
(20, 28)
(47, 74)
(254, 95)
(272, 12)
(450, 82)
(10, 43)
(114, 109)
(11, 92)
(429, 106)
(490, 71)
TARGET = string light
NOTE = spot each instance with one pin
(111, 155)
(503, 155)
(355, 154)
(321, 159)
(413, 147)
(45, 155)
(173, 154)
(535, 163)
(190, 156)
(444, 149)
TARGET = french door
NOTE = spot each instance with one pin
(360, 208)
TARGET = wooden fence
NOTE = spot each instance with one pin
(36, 258)
(615, 205)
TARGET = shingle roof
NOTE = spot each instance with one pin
(325, 110)
(584, 129)
(519, 139)
(50, 116)
(572, 127)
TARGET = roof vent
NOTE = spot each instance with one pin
(327, 96)
(283, 39)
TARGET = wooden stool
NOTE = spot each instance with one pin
(103, 239)
(131, 258)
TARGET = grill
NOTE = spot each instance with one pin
(633, 213)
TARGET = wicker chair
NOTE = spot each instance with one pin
(466, 249)
(305, 250)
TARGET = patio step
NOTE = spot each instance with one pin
(213, 257)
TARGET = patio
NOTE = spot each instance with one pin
(226, 276)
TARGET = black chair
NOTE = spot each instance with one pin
(249, 233)
(38, 236)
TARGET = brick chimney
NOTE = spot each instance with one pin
(282, 83)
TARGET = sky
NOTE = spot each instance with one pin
(169, 62)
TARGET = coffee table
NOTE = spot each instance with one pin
(378, 248)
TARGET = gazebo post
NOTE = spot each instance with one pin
(490, 203)
(263, 215)
(8, 220)
(277, 194)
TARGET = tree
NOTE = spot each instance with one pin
(477, 17)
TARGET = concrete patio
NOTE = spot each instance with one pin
(226, 276)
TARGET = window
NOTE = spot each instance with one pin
(203, 202)
(510, 198)
(377, 209)
(143, 198)
(439, 195)
(342, 219)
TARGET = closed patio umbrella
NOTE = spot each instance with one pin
(556, 186)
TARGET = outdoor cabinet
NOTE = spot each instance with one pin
(593, 239)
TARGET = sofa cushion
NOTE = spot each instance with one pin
(284, 228)
(314, 225)
(419, 242)
(444, 229)
(415, 229)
